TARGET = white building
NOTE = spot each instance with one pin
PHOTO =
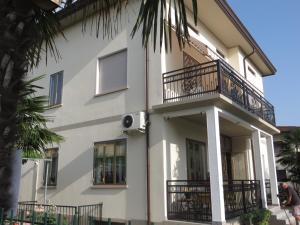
(210, 128)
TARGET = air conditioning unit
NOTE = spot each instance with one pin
(134, 122)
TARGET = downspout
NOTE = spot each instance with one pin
(244, 61)
(147, 133)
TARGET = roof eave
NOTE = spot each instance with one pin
(246, 34)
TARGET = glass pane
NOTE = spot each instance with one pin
(53, 171)
(113, 72)
(59, 87)
(109, 163)
(52, 89)
(55, 89)
(52, 167)
(99, 164)
(121, 163)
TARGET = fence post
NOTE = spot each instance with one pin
(22, 217)
(129, 222)
(244, 198)
(77, 212)
(33, 217)
(75, 220)
(109, 221)
(59, 219)
(45, 218)
(1, 215)
(11, 216)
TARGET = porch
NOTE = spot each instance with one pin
(215, 166)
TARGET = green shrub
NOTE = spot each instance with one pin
(258, 217)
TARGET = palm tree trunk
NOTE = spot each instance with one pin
(15, 19)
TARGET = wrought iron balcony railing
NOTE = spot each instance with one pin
(215, 77)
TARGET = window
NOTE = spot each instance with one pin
(192, 28)
(220, 53)
(110, 162)
(51, 166)
(55, 90)
(112, 72)
(251, 70)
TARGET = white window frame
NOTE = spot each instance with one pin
(50, 166)
(97, 91)
(60, 73)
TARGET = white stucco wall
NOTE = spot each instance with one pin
(85, 118)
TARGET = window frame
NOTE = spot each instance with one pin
(113, 141)
(97, 88)
(60, 73)
(49, 172)
(251, 70)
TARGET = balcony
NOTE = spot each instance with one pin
(191, 200)
(211, 78)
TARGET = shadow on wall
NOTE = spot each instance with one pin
(72, 172)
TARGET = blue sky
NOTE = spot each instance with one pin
(275, 24)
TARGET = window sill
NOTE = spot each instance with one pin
(110, 92)
(110, 186)
(55, 106)
(49, 187)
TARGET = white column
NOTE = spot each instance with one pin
(259, 166)
(215, 166)
(272, 170)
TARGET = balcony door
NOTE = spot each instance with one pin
(196, 160)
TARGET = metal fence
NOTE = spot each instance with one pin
(268, 191)
(40, 214)
(241, 196)
(191, 200)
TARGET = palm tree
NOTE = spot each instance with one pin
(32, 136)
(28, 28)
(289, 157)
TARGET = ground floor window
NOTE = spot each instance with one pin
(110, 162)
(50, 167)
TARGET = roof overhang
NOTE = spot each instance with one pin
(221, 20)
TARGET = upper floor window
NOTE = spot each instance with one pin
(55, 89)
(110, 162)
(221, 54)
(112, 72)
(251, 71)
(50, 167)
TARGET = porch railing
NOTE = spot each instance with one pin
(191, 200)
(215, 77)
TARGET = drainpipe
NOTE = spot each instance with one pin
(244, 61)
(147, 133)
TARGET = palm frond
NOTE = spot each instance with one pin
(289, 156)
(154, 13)
(45, 27)
(33, 134)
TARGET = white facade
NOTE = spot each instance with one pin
(86, 117)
